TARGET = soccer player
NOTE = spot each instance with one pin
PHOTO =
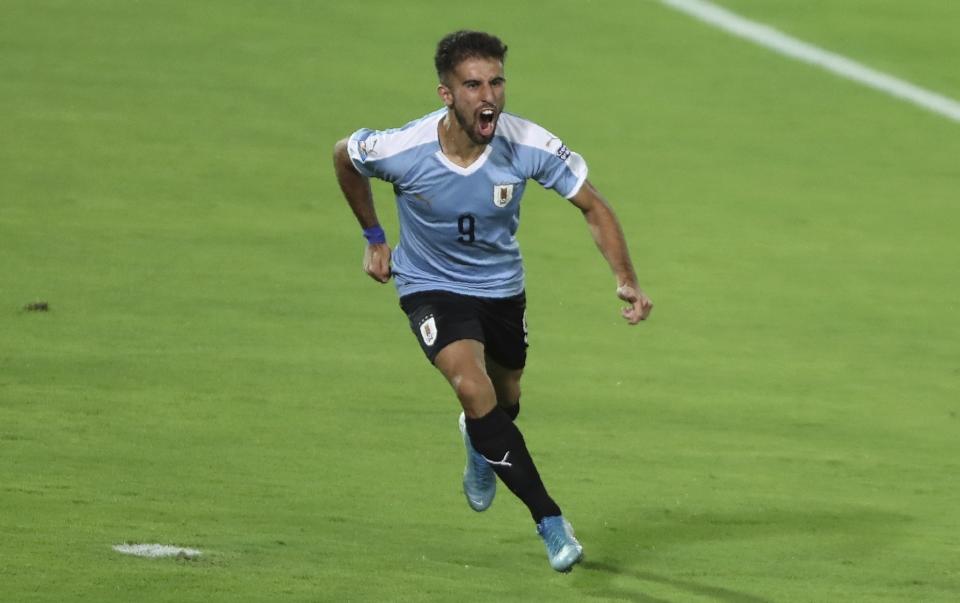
(459, 174)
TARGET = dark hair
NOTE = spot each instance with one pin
(461, 45)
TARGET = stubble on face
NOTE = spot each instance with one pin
(469, 127)
(477, 92)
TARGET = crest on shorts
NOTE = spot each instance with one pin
(502, 194)
(428, 330)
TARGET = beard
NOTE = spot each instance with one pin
(470, 127)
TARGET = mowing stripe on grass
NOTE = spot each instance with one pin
(780, 42)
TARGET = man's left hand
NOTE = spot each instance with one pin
(640, 305)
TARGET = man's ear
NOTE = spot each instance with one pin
(445, 95)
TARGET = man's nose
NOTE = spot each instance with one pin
(486, 93)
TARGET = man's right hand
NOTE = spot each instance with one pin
(376, 261)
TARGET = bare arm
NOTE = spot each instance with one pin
(609, 238)
(356, 189)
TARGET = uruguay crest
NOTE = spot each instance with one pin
(502, 194)
(428, 330)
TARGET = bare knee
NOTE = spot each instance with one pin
(468, 389)
(462, 363)
(475, 393)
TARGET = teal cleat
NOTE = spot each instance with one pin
(479, 480)
(563, 550)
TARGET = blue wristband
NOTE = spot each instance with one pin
(374, 235)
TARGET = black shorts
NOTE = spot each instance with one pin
(438, 318)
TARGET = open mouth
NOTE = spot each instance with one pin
(487, 122)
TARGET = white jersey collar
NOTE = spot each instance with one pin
(465, 171)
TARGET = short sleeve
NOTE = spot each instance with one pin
(362, 147)
(543, 157)
(560, 169)
(390, 154)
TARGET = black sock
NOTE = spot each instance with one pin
(512, 410)
(496, 437)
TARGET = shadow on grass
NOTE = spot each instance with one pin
(613, 550)
(688, 586)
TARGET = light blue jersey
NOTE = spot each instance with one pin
(458, 225)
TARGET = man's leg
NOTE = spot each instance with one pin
(462, 363)
(563, 549)
(490, 428)
(449, 323)
(506, 384)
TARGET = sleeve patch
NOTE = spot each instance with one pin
(556, 146)
(367, 147)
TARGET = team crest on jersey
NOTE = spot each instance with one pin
(502, 194)
(428, 330)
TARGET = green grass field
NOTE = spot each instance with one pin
(216, 372)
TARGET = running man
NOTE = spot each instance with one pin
(459, 174)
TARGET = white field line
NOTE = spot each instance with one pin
(780, 42)
(156, 550)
